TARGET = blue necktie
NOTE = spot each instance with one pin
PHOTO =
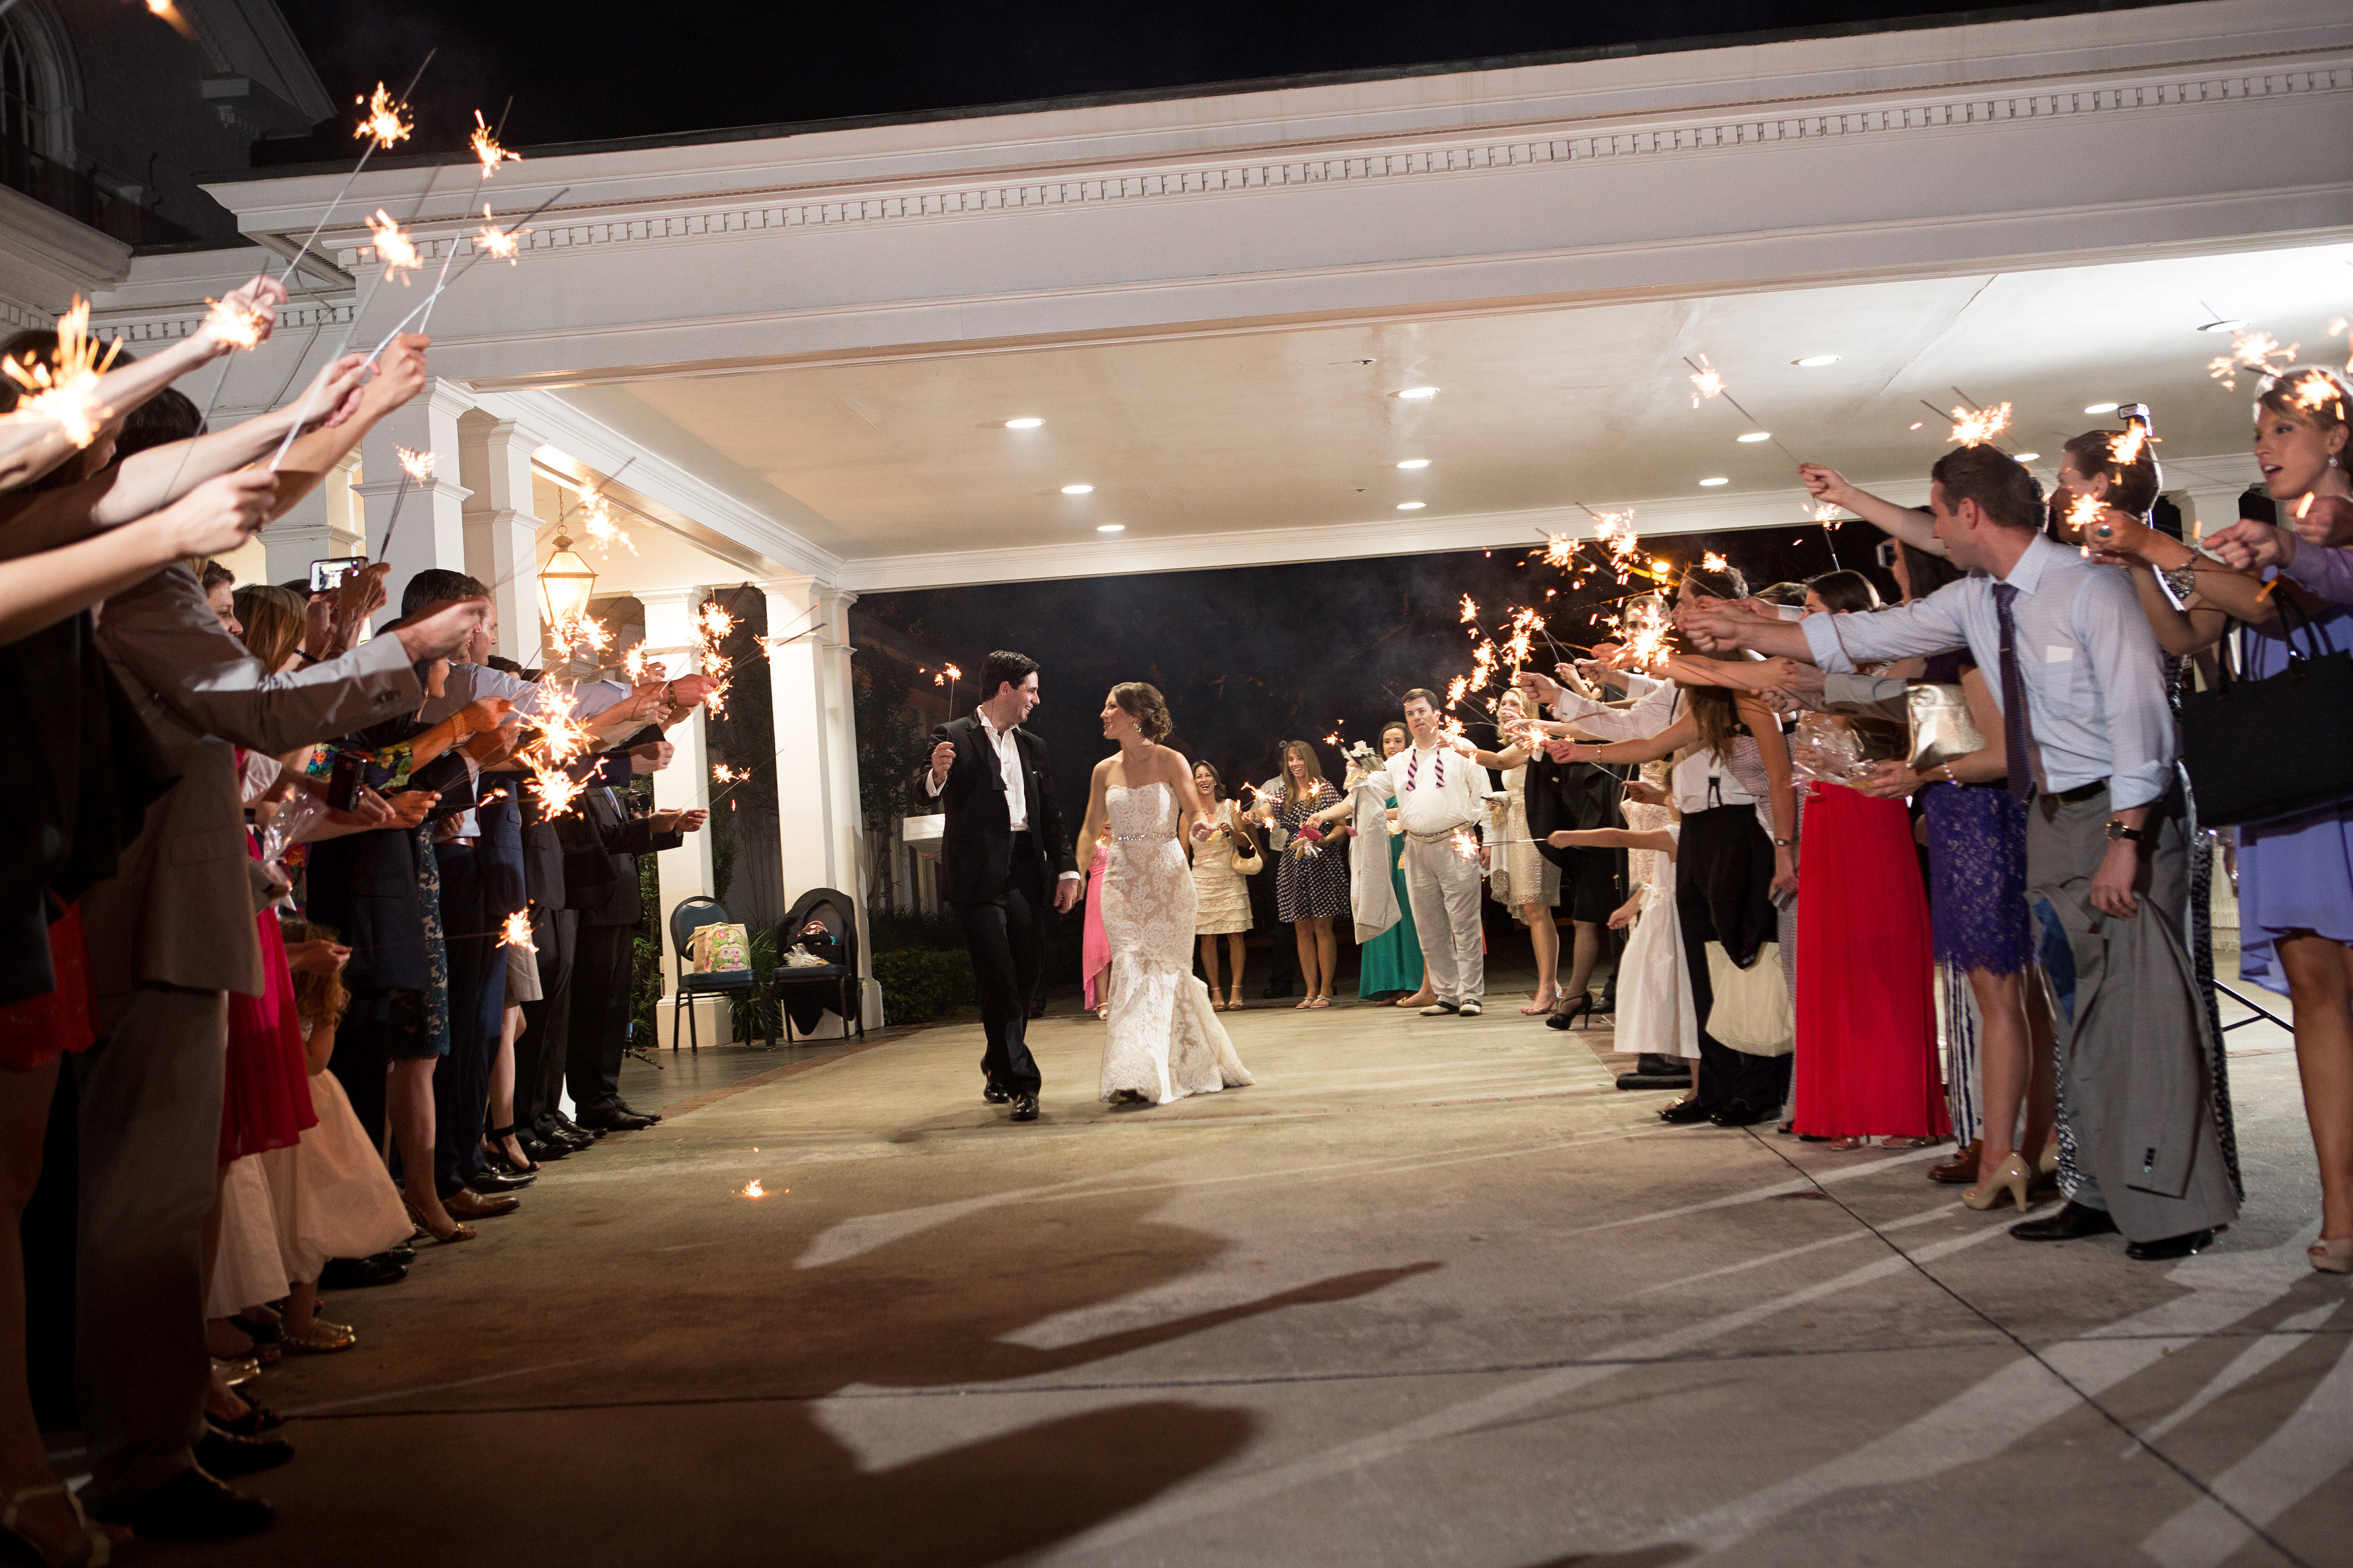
(2013, 697)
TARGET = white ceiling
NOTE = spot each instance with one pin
(1223, 432)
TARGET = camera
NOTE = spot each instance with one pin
(327, 576)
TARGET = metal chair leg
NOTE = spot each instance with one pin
(673, 1021)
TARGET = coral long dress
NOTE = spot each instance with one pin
(1866, 1005)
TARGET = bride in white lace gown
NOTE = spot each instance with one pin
(1164, 1040)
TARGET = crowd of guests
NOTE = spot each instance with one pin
(289, 902)
(1897, 874)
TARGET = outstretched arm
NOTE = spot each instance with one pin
(1649, 748)
(1612, 838)
(1915, 529)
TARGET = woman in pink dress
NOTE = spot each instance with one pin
(1094, 947)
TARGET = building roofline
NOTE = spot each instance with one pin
(1979, 17)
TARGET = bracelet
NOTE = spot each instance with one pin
(2181, 579)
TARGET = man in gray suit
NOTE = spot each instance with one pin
(169, 938)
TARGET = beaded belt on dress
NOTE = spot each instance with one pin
(1144, 837)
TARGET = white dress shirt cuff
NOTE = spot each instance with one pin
(932, 784)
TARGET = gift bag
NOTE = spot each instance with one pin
(1751, 1012)
(717, 949)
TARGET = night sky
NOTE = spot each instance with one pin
(1251, 656)
(584, 72)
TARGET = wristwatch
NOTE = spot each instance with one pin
(2119, 834)
(1783, 843)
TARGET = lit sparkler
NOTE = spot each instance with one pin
(238, 326)
(2253, 352)
(1978, 426)
(1465, 843)
(556, 790)
(501, 243)
(2082, 516)
(583, 631)
(596, 523)
(387, 121)
(1456, 687)
(67, 392)
(711, 624)
(2126, 449)
(393, 248)
(1712, 562)
(417, 466)
(2316, 390)
(1470, 609)
(515, 932)
(639, 669)
(1706, 382)
(722, 773)
(485, 142)
(752, 1189)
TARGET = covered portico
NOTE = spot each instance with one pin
(1131, 336)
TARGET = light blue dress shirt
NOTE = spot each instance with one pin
(2094, 675)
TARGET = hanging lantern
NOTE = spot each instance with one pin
(565, 585)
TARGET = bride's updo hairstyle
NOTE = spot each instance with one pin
(1142, 701)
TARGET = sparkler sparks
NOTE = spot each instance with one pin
(1456, 688)
(2253, 352)
(947, 672)
(1465, 844)
(393, 248)
(1706, 382)
(387, 121)
(2316, 390)
(752, 1189)
(722, 773)
(711, 624)
(1978, 426)
(485, 142)
(502, 243)
(556, 790)
(417, 466)
(515, 932)
(238, 326)
(67, 392)
(1712, 562)
(573, 632)
(2125, 450)
(1470, 609)
(596, 523)
(639, 669)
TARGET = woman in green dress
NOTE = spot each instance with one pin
(1390, 963)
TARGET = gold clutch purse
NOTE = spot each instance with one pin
(1942, 730)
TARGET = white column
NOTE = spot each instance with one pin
(686, 871)
(324, 526)
(501, 530)
(2207, 508)
(818, 824)
(431, 527)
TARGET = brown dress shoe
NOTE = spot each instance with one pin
(1956, 1173)
(467, 1203)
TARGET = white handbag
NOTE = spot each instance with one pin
(1751, 1011)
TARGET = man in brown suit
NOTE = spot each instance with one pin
(169, 938)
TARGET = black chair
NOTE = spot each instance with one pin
(838, 978)
(686, 917)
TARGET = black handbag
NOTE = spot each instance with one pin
(2261, 749)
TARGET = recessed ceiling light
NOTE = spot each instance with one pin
(1024, 424)
(2028, 457)
(1815, 362)
(1415, 463)
(1419, 392)
(2230, 324)
(1706, 484)
(1411, 505)
(1111, 528)
(1078, 489)
(2099, 408)
(1754, 436)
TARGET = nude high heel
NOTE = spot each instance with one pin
(2012, 1176)
(2331, 1256)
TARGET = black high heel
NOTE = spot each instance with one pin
(1566, 1017)
(496, 1137)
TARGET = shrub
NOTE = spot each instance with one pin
(920, 983)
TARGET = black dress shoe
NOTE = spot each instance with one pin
(1037, 1010)
(626, 1108)
(356, 1273)
(229, 1455)
(2188, 1246)
(614, 1121)
(1025, 1108)
(191, 1506)
(1682, 1112)
(995, 1094)
(1739, 1113)
(538, 1150)
(2072, 1222)
(488, 1180)
(401, 1254)
(581, 1136)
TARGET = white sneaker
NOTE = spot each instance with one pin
(1468, 1010)
(1437, 1009)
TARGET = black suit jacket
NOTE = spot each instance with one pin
(977, 850)
(1573, 795)
(601, 845)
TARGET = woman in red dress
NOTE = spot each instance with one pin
(1866, 1056)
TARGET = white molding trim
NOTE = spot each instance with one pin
(666, 495)
(1717, 129)
(1526, 529)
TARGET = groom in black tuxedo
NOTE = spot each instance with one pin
(1003, 845)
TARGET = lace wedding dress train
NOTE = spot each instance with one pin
(1164, 1040)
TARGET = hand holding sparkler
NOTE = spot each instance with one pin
(2248, 545)
(242, 318)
